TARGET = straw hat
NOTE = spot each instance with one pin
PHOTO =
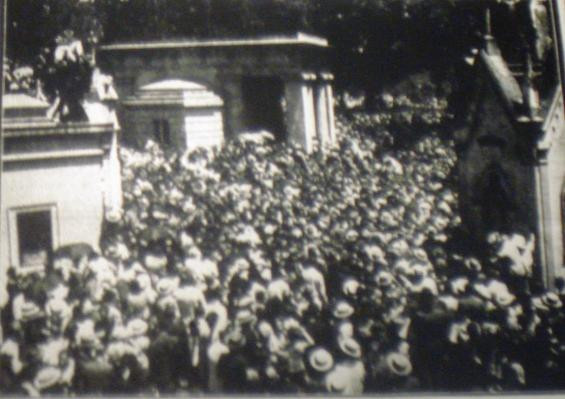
(551, 299)
(321, 360)
(47, 377)
(155, 262)
(342, 309)
(167, 285)
(350, 347)
(137, 327)
(244, 316)
(398, 364)
(235, 337)
(350, 286)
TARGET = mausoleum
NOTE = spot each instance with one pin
(59, 180)
(200, 92)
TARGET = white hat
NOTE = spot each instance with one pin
(137, 327)
(350, 286)
(46, 377)
(155, 262)
(551, 299)
(191, 295)
(343, 310)
(236, 337)
(215, 351)
(321, 360)
(167, 285)
(384, 278)
(427, 284)
(278, 289)
(29, 310)
(244, 316)
(85, 331)
(10, 348)
(350, 347)
(398, 364)
(60, 291)
(265, 329)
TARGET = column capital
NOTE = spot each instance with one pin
(326, 76)
(301, 77)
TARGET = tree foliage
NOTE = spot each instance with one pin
(373, 41)
(376, 46)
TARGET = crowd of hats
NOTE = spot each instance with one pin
(259, 268)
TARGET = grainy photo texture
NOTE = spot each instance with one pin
(282, 197)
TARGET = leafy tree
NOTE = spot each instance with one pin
(375, 45)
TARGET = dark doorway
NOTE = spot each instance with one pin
(35, 240)
(262, 104)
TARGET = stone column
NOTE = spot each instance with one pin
(113, 176)
(233, 106)
(322, 126)
(326, 88)
(299, 114)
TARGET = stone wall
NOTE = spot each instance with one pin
(516, 200)
(139, 124)
(550, 191)
(69, 170)
(308, 94)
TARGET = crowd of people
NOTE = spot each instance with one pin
(259, 268)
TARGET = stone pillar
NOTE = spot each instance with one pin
(233, 106)
(325, 82)
(112, 178)
(322, 125)
(299, 113)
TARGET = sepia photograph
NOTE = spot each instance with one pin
(282, 197)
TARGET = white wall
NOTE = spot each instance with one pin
(74, 185)
(556, 177)
(550, 192)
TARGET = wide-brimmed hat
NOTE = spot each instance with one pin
(167, 285)
(551, 299)
(350, 286)
(235, 338)
(30, 310)
(47, 377)
(245, 316)
(384, 278)
(398, 364)
(137, 327)
(155, 261)
(320, 359)
(350, 347)
(342, 309)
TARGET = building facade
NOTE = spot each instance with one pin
(175, 113)
(512, 158)
(59, 181)
(278, 84)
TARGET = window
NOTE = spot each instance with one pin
(161, 131)
(32, 236)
